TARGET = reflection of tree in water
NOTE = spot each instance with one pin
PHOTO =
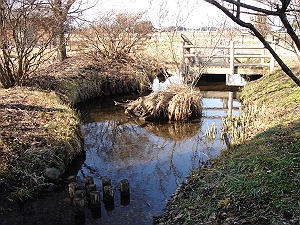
(125, 145)
(116, 141)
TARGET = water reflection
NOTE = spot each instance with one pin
(155, 158)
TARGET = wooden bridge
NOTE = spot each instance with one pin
(225, 57)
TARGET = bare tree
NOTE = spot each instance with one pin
(25, 29)
(60, 11)
(115, 36)
(285, 10)
(65, 11)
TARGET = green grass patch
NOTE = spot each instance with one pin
(257, 180)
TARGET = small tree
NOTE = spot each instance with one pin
(60, 10)
(115, 36)
(285, 10)
(25, 29)
(64, 11)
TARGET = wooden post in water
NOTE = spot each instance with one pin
(95, 199)
(72, 179)
(108, 193)
(109, 206)
(79, 206)
(88, 180)
(89, 189)
(230, 104)
(72, 188)
(79, 194)
(124, 187)
(105, 182)
(96, 213)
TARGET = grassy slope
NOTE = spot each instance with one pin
(38, 127)
(37, 131)
(257, 181)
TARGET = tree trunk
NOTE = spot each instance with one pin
(60, 16)
(61, 46)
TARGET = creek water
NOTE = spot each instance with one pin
(154, 157)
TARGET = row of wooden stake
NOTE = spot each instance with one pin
(92, 195)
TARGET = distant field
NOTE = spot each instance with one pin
(166, 47)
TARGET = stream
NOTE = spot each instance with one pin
(154, 157)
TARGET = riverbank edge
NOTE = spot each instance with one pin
(256, 181)
(53, 92)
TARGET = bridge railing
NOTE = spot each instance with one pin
(229, 56)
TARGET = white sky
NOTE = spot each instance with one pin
(163, 13)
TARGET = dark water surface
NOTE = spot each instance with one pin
(155, 158)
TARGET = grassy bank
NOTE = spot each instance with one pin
(258, 180)
(38, 131)
(78, 79)
(39, 128)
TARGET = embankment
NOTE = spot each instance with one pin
(255, 181)
(39, 127)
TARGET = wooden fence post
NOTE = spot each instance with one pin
(231, 57)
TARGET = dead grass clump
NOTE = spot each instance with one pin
(177, 103)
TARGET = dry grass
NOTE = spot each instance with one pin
(177, 103)
(36, 131)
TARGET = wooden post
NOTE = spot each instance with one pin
(79, 206)
(230, 104)
(106, 182)
(109, 206)
(89, 189)
(88, 180)
(72, 179)
(96, 213)
(184, 65)
(79, 194)
(72, 188)
(125, 200)
(108, 193)
(95, 199)
(231, 61)
(124, 187)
